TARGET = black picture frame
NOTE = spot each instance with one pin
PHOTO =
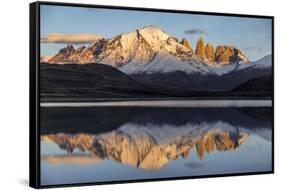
(34, 93)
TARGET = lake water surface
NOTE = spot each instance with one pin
(96, 144)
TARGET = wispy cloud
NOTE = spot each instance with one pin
(253, 48)
(194, 31)
(70, 38)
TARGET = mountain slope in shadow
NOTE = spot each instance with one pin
(74, 81)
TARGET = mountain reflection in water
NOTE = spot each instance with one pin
(143, 149)
(147, 138)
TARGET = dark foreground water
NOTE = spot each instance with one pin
(94, 144)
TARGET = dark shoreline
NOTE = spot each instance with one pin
(46, 100)
(73, 120)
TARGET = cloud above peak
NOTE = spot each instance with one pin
(70, 38)
(194, 31)
(253, 48)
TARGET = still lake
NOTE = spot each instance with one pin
(113, 143)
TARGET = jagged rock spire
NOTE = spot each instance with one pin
(200, 48)
(185, 43)
(229, 54)
(210, 53)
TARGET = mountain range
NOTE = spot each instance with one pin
(155, 61)
(142, 46)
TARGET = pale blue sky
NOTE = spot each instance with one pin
(251, 35)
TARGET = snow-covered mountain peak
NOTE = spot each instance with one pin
(154, 30)
(123, 48)
(154, 36)
(140, 46)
